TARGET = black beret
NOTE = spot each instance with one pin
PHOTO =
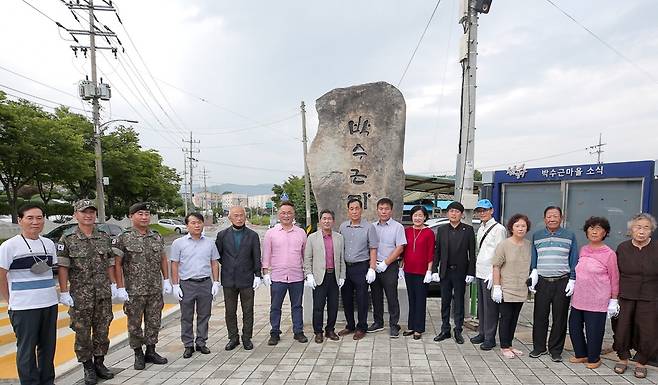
(138, 207)
(456, 205)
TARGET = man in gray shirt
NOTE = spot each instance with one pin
(360, 260)
(391, 244)
(194, 259)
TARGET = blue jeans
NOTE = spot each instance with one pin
(278, 293)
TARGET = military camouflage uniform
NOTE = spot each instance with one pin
(87, 260)
(141, 261)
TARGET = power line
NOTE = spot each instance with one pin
(38, 82)
(39, 97)
(404, 73)
(606, 44)
(44, 15)
(249, 167)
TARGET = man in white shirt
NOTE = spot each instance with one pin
(489, 235)
(26, 282)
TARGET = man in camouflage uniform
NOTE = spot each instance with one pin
(143, 263)
(86, 261)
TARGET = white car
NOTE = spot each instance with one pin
(172, 224)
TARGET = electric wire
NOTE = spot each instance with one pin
(404, 73)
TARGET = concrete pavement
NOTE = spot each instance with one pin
(377, 359)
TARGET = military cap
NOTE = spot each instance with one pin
(138, 207)
(83, 204)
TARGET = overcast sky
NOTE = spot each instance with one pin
(234, 73)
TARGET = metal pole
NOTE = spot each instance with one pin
(191, 166)
(98, 152)
(185, 181)
(307, 183)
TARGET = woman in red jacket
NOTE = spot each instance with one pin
(417, 266)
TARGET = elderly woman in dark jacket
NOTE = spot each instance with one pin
(637, 324)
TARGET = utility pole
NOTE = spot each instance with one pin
(191, 150)
(185, 181)
(597, 149)
(307, 182)
(204, 174)
(93, 91)
(466, 148)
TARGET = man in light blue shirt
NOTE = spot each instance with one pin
(391, 244)
(194, 260)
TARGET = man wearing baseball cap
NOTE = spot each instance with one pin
(489, 235)
(86, 262)
(454, 267)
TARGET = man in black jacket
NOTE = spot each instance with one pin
(239, 248)
(454, 258)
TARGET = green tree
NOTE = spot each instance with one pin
(24, 147)
(294, 188)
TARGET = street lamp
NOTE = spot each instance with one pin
(100, 191)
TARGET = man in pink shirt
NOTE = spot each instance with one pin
(283, 270)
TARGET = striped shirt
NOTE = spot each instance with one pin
(28, 290)
(554, 254)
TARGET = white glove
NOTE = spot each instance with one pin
(489, 281)
(257, 282)
(215, 289)
(534, 278)
(310, 281)
(341, 282)
(569, 289)
(166, 287)
(497, 294)
(400, 273)
(122, 294)
(613, 308)
(381, 266)
(114, 289)
(370, 276)
(65, 299)
(267, 280)
(469, 279)
(178, 293)
(436, 277)
(428, 277)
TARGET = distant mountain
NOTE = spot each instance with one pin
(258, 189)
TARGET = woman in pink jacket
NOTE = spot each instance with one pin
(594, 295)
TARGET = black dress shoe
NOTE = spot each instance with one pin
(459, 338)
(332, 335)
(273, 340)
(300, 337)
(478, 339)
(487, 345)
(247, 344)
(232, 344)
(203, 349)
(188, 352)
(442, 336)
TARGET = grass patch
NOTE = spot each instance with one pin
(162, 230)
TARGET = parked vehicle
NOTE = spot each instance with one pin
(173, 224)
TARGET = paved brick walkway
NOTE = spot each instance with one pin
(377, 359)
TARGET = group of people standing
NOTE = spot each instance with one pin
(93, 269)
(579, 288)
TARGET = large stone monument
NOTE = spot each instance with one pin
(359, 148)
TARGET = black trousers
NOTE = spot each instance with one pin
(453, 287)
(550, 298)
(246, 295)
(488, 313)
(355, 281)
(386, 283)
(509, 318)
(417, 293)
(327, 293)
(636, 328)
(587, 343)
(36, 330)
